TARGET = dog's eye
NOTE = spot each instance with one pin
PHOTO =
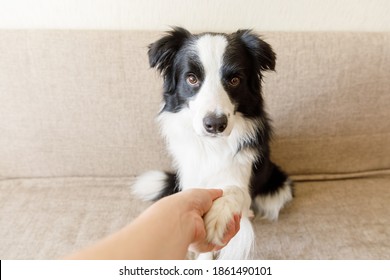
(192, 80)
(234, 82)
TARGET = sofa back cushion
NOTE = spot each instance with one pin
(330, 101)
(83, 103)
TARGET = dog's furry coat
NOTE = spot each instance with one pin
(217, 131)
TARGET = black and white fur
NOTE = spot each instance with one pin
(217, 131)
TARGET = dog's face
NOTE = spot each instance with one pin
(214, 76)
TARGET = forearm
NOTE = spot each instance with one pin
(164, 231)
(150, 236)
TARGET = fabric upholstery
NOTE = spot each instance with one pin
(49, 218)
(82, 103)
(77, 113)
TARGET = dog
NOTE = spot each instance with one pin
(217, 131)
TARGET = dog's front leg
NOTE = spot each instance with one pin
(235, 200)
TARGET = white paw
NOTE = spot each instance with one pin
(233, 201)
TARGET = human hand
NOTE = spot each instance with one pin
(198, 202)
(231, 230)
(165, 230)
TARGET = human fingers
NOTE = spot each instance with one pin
(231, 230)
(202, 246)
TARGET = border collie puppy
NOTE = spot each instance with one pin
(217, 131)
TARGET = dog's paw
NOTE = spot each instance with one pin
(233, 201)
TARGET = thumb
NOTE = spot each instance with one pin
(202, 199)
(206, 198)
(215, 193)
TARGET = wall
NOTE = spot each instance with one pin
(217, 15)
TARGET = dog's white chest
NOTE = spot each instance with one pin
(205, 162)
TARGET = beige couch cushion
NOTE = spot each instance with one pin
(77, 106)
(82, 103)
(330, 102)
(49, 218)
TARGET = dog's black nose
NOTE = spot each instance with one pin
(215, 123)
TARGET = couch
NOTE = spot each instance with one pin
(77, 112)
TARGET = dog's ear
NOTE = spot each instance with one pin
(260, 50)
(162, 52)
